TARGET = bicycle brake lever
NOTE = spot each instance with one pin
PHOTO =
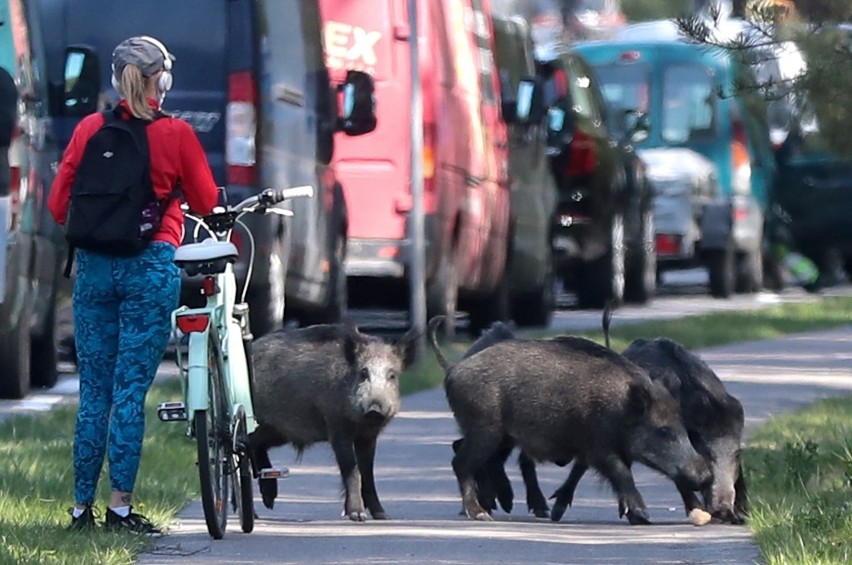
(280, 211)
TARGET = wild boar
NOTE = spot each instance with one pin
(565, 398)
(328, 383)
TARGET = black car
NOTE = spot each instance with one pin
(32, 247)
(603, 228)
(812, 197)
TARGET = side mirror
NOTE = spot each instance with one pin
(637, 125)
(527, 107)
(358, 104)
(82, 81)
(560, 128)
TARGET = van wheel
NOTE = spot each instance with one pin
(442, 294)
(494, 307)
(602, 280)
(535, 309)
(266, 297)
(749, 277)
(641, 278)
(337, 304)
(15, 357)
(43, 354)
(720, 268)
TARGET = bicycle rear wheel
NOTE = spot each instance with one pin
(211, 437)
(243, 495)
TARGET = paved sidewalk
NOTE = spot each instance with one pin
(418, 489)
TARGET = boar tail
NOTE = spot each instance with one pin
(607, 318)
(434, 323)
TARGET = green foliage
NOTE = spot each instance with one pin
(644, 10)
(799, 473)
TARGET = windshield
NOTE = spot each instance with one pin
(689, 104)
(625, 87)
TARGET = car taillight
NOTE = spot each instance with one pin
(582, 157)
(740, 160)
(668, 244)
(241, 128)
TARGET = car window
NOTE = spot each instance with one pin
(625, 87)
(689, 104)
(580, 85)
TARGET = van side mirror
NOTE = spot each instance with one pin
(637, 125)
(82, 81)
(527, 108)
(357, 114)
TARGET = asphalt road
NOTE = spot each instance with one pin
(418, 489)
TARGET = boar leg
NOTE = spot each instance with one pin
(618, 473)
(535, 498)
(690, 499)
(740, 497)
(473, 454)
(344, 452)
(365, 453)
(259, 443)
(498, 482)
(564, 495)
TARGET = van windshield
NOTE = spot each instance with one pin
(689, 104)
(625, 87)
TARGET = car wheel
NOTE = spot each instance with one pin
(773, 273)
(266, 297)
(602, 280)
(496, 306)
(15, 356)
(442, 294)
(43, 372)
(720, 267)
(337, 303)
(535, 309)
(749, 278)
(641, 279)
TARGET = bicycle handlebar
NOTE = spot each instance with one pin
(272, 196)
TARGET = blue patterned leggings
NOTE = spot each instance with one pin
(122, 308)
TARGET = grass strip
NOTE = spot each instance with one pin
(36, 482)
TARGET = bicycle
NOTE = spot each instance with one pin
(215, 340)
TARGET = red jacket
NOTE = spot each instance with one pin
(176, 154)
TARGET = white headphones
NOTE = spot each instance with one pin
(164, 82)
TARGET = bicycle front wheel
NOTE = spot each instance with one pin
(211, 437)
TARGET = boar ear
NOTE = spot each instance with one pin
(351, 340)
(638, 398)
(701, 410)
(407, 347)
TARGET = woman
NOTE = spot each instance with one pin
(122, 305)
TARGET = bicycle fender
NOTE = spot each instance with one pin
(197, 373)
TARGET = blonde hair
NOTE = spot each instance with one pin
(133, 86)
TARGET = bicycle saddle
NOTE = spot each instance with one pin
(206, 257)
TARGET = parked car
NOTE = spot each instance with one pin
(603, 230)
(31, 245)
(814, 194)
(251, 80)
(530, 271)
(678, 85)
(466, 185)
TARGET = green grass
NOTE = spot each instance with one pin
(799, 472)
(36, 479)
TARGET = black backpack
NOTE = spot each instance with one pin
(113, 208)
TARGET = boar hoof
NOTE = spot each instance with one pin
(380, 515)
(541, 512)
(557, 512)
(483, 517)
(699, 517)
(357, 516)
(638, 517)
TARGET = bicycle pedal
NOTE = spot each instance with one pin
(277, 473)
(171, 411)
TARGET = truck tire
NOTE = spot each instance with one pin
(602, 280)
(337, 305)
(535, 309)
(749, 275)
(15, 357)
(720, 268)
(640, 284)
(43, 372)
(442, 294)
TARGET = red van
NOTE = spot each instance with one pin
(466, 189)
